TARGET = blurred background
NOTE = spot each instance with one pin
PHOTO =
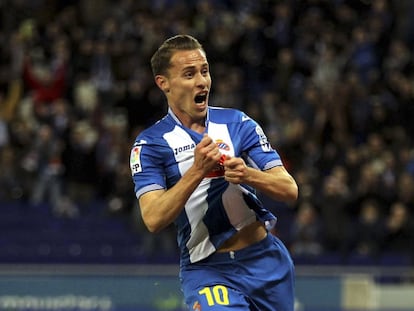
(330, 81)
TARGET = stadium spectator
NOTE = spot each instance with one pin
(366, 233)
(306, 232)
(46, 84)
(399, 230)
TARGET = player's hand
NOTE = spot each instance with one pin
(235, 170)
(206, 154)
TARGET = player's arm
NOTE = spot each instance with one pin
(276, 182)
(160, 208)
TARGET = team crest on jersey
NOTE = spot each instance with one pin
(219, 169)
(135, 160)
(222, 145)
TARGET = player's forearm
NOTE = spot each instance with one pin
(278, 185)
(160, 211)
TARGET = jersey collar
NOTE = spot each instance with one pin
(172, 115)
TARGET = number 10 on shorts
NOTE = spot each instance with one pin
(217, 294)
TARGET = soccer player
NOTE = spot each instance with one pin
(199, 168)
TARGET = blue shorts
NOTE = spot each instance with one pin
(259, 277)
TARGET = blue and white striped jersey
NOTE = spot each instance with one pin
(217, 209)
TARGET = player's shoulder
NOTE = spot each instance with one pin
(154, 132)
(227, 115)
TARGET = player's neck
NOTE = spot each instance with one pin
(197, 127)
(196, 124)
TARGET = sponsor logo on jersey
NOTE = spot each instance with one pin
(184, 148)
(245, 118)
(135, 160)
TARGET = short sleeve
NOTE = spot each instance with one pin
(256, 146)
(146, 167)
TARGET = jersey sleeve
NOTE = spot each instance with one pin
(256, 147)
(146, 167)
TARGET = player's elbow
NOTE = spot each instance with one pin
(153, 229)
(292, 193)
(153, 226)
(288, 194)
(151, 219)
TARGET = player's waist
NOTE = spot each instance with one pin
(249, 235)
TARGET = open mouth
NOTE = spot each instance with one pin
(200, 98)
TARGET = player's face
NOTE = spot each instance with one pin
(188, 84)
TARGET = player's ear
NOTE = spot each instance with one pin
(162, 83)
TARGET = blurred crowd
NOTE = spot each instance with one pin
(330, 81)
